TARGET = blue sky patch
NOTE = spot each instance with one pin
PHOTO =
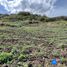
(58, 7)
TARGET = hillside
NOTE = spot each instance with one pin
(28, 16)
(28, 40)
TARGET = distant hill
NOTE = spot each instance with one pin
(28, 16)
(21, 16)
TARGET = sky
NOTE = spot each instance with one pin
(50, 8)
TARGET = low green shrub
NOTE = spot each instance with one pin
(56, 54)
(22, 57)
(63, 59)
(5, 57)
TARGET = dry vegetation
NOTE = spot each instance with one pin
(28, 40)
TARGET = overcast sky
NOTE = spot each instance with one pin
(43, 7)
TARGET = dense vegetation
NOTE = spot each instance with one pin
(28, 16)
(28, 40)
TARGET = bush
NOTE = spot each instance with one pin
(42, 19)
(56, 54)
(22, 57)
(24, 13)
(5, 57)
(63, 60)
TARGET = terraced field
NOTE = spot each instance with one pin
(34, 44)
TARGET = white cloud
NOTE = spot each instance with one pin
(34, 6)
